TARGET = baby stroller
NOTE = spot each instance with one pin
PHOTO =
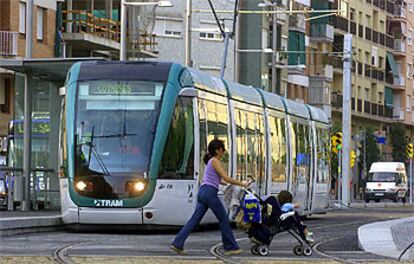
(273, 222)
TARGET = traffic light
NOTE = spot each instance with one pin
(336, 142)
(409, 150)
(352, 159)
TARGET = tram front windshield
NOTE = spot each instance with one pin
(115, 127)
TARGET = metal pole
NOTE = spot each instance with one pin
(29, 28)
(27, 141)
(339, 177)
(274, 47)
(364, 169)
(187, 40)
(123, 52)
(346, 119)
(226, 48)
(411, 181)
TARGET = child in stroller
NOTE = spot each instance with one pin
(274, 222)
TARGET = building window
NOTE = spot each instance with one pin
(5, 95)
(374, 56)
(410, 37)
(168, 27)
(39, 23)
(408, 102)
(409, 66)
(366, 96)
(380, 98)
(22, 17)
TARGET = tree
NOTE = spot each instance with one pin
(398, 142)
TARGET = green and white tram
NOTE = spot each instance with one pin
(133, 135)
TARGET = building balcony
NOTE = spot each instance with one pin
(322, 33)
(399, 47)
(319, 91)
(297, 22)
(399, 12)
(322, 71)
(398, 113)
(8, 43)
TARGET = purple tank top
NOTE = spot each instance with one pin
(211, 177)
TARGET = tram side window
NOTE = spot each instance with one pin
(250, 145)
(214, 121)
(323, 155)
(278, 145)
(301, 149)
(178, 158)
(63, 158)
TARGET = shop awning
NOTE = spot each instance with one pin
(393, 65)
(52, 69)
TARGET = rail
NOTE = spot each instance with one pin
(8, 43)
(81, 21)
(39, 186)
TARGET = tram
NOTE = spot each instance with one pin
(133, 135)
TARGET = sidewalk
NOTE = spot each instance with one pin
(17, 222)
(388, 238)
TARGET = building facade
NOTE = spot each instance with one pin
(13, 45)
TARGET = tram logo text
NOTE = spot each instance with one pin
(109, 203)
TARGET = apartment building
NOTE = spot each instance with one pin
(12, 46)
(205, 48)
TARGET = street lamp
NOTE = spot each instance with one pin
(122, 52)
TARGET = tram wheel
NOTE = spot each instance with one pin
(298, 250)
(254, 250)
(263, 250)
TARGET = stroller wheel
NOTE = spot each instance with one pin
(298, 250)
(254, 249)
(307, 251)
(263, 250)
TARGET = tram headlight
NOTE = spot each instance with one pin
(84, 186)
(136, 187)
(139, 186)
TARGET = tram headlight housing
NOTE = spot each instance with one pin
(136, 187)
(84, 186)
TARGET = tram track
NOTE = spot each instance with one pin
(60, 255)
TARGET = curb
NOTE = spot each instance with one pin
(379, 238)
(20, 225)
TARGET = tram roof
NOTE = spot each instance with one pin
(297, 109)
(272, 101)
(207, 82)
(121, 70)
(245, 94)
(318, 114)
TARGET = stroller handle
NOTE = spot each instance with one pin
(249, 191)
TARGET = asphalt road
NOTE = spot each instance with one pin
(335, 236)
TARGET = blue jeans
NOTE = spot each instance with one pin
(207, 198)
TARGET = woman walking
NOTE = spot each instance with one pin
(207, 198)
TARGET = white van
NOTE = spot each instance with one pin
(386, 180)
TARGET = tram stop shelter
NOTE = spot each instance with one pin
(33, 138)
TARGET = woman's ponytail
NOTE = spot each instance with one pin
(206, 158)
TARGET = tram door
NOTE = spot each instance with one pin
(301, 158)
(213, 120)
(278, 153)
(250, 147)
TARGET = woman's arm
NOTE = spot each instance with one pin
(219, 169)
